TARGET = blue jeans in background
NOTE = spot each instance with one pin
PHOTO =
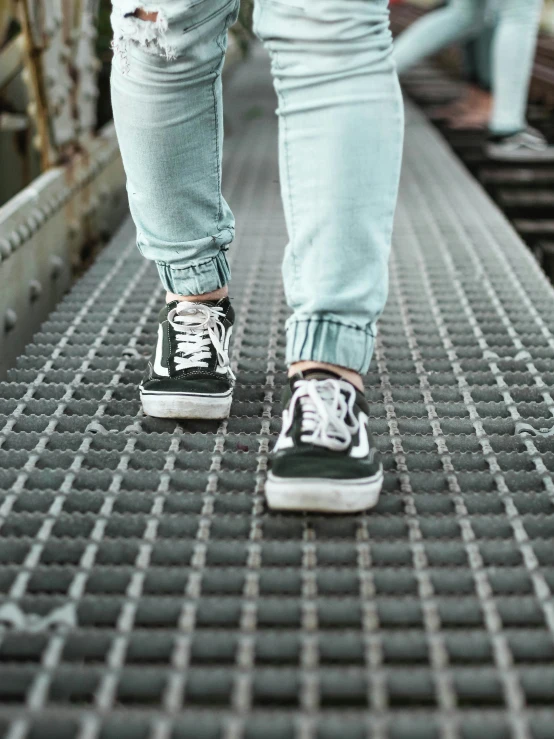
(513, 48)
(340, 141)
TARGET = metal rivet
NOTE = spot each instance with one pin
(10, 319)
(15, 240)
(5, 249)
(56, 267)
(35, 290)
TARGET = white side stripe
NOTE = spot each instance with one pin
(223, 370)
(284, 441)
(159, 369)
(362, 450)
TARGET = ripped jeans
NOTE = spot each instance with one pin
(340, 142)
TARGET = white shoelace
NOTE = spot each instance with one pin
(328, 417)
(198, 327)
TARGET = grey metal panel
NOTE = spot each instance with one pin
(42, 231)
(147, 590)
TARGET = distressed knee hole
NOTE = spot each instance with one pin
(144, 15)
(145, 26)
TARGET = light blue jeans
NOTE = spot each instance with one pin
(513, 48)
(340, 139)
(477, 57)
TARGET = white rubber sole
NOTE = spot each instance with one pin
(520, 156)
(186, 405)
(325, 496)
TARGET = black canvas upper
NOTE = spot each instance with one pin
(308, 460)
(191, 379)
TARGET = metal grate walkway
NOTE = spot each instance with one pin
(146, 591)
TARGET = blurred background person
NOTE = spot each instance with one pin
(511, 55)
(473, 108)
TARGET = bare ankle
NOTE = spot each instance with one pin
(222, 292)
(347, 374)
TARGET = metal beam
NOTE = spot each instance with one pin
(44, 228)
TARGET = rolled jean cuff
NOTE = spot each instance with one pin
(328, 340)
(196, 279)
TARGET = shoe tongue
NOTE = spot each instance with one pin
(320, 374)
(313, 374)
(211, 303)
(212, 361)
(189, 303)
(222, 302)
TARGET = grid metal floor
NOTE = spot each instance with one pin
(146, 591)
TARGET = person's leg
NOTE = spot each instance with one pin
(474, 110)
(470, 68)
(340, 135)
(513, 56)
(340, 142)
(166, 95)
(483, 53)
(434, 31)
(479, 100)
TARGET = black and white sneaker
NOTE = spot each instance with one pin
(324, 459)
(528, 145)
(189, 374)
